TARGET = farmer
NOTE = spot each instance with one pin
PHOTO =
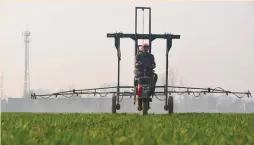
(145, 60)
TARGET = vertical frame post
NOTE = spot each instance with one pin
(136, 49)
(168, 46)
(118, 71)
(118, 80)
(117, 45)
(136, 30)
(150, 30)
(166, 87)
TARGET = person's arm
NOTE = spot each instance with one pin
(137, 61)
(153, 62)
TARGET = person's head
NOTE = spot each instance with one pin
(145, 47)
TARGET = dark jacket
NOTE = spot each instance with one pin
(147, 60)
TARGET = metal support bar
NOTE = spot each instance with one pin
(117, 45)
(169, 45)
(136, 17)
(118, 81)
(136, 32)
(150, 31)
(143, 36)
(143, 8)
(128, 93)
(166, 87)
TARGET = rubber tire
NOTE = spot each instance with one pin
(114, 104)
(145, 107)
(170, 105)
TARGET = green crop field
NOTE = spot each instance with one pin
(126, 129)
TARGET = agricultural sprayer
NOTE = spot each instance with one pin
(140, 91)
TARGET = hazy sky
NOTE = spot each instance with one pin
(69, 44)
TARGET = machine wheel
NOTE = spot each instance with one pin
(170, 105)
(114, 104)
(145, 107)
(139, 104)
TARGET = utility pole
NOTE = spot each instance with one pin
(26, 34)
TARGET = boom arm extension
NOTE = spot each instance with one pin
(188, 90)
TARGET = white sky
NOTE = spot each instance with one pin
(69, 44)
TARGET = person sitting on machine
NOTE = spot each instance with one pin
(142, 60)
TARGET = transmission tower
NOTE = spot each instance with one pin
(26, 34)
